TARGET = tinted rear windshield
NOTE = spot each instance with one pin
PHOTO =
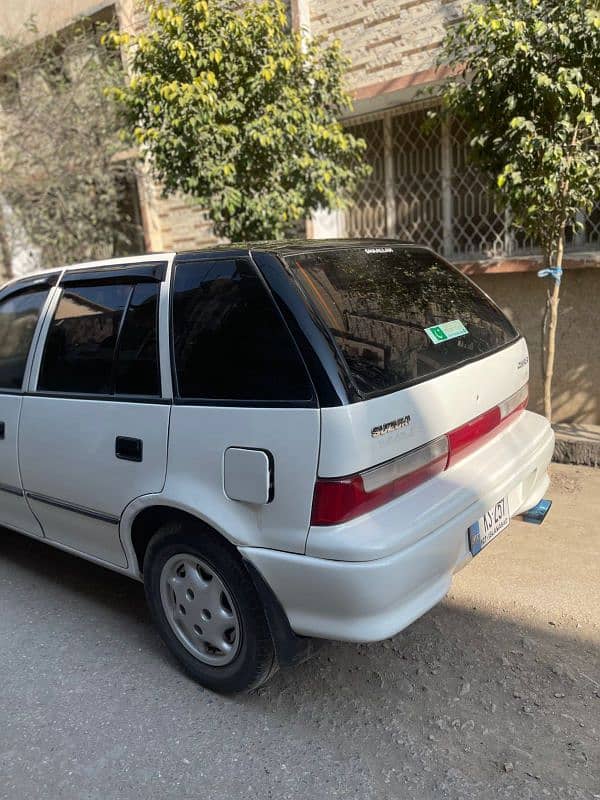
(399, 315)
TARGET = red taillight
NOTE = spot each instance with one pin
(463, 439)
(341, 499)
(338, 500)
(474, 433)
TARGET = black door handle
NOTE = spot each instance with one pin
(2, 430)
(129, 449)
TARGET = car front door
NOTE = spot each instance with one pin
(94, 426)
(20, 310)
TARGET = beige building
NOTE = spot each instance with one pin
(422, 186)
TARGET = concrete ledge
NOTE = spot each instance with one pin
(503, 264)
(577, 444)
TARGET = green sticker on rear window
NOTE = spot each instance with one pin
(446, 331)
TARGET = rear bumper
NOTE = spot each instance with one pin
(369, 579)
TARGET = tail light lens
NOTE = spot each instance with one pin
(338, 500)
(515, 403)
(474, 433)
(464, 439)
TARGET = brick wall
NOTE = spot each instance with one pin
(385, 38)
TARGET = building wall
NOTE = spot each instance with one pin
(576, 385)
(385, 39)
(49, 15)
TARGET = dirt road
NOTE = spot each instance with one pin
(493, 694)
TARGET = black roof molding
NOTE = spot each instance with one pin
(286, 247)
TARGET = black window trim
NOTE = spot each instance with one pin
(192, 258)
(27, 284)
(135, 272)
(14, 290)
(127, 306)
(312, 337)
(158, 399)
(113, 398)
(118, 345)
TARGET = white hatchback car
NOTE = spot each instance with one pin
(283, 441)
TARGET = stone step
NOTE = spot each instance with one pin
(577, 444)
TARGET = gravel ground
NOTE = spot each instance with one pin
(493, 694)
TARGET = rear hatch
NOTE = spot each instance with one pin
(434, 369)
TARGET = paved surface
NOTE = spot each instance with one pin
(493, 694)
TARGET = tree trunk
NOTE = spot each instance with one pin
(5, 250)
(553, 300)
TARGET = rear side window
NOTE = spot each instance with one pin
(137, 370)
(229, 341)
(103, 341)
(19, 315)
(399, 314)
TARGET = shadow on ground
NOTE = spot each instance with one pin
(463, 704)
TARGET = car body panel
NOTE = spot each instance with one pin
(510, 463)
(198, 439)
(16, 512)
(67, 455)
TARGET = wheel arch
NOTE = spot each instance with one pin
(143, 518)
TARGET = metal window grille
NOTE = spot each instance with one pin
(366, 217)
(418, 184)
(424, 188)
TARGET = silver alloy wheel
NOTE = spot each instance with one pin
(200, 609)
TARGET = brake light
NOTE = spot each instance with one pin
(463, 439)
(474, 433)
(338, 500)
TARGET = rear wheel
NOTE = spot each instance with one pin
(207, 610)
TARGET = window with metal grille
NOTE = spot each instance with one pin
(424, 188)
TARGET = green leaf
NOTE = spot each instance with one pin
(543, 79)
(256, 144)
(527, 92)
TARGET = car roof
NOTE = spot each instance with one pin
(293, 246)
(278, 247)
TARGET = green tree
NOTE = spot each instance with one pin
(235, 110)
(63, 188)
(526, 81)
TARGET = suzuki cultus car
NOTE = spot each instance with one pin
(284, 441)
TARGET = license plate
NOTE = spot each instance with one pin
(489, 526)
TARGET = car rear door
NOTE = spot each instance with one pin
(94, 426)
(21, 309)
(423, 351)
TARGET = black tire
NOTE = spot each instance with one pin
(255, 659)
